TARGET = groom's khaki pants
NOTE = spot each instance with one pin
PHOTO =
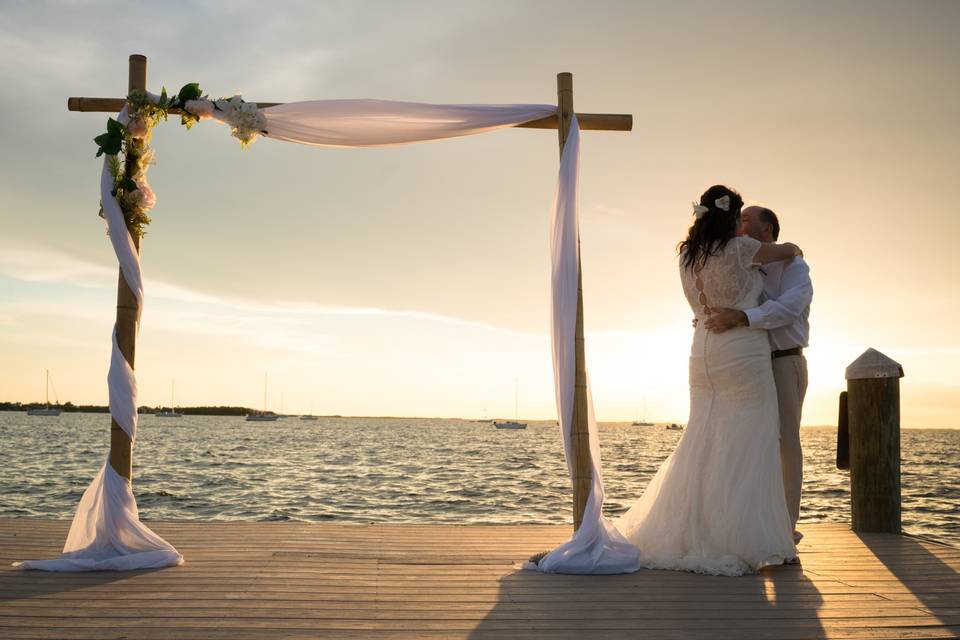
(790, 373)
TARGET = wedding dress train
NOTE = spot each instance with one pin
(717, 503)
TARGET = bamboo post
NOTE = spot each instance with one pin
(873, 414)
(579, 433)
(121, 447)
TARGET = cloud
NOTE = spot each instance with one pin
(601, 211)
(52, 267)
(49, 266)
(49, 67)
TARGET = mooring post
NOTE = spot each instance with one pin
(121, 447)
(873, 417)
(843, 434)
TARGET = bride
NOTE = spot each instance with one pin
(716, 505)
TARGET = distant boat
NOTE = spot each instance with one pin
(484, 419)
(309, 416)
(513, 424)
(263, 416)
(47, 410)
(642, 422)
(173, 408)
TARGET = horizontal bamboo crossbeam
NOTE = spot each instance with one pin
(588, 121)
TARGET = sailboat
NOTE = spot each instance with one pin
(173, 411)
(309, 416)
(642, 422)
(485, 419)
(47, 410)
(513, 424)
(262, 416)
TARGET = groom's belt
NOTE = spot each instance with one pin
(782, 353)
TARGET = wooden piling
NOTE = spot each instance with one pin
(873, 412)
(121, 447)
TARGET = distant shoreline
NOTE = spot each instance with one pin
(227, 411)
(69, 407)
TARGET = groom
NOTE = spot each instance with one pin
(787, 293)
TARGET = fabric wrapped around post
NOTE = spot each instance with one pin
(106, 533)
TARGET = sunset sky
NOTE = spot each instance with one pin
(416, 280)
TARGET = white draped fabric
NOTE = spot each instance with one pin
(107, 535)
(106, 532)
(597, 546)
(379, 123)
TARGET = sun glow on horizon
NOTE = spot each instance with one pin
(427, 364)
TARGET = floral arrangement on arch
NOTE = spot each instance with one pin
(130, 139)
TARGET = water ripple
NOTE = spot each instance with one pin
(403, 470)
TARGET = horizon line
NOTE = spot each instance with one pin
(462, 418)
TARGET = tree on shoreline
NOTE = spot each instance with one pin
(69, 407)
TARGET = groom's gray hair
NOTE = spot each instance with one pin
(768, 216)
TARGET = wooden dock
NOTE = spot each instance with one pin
(292, 580)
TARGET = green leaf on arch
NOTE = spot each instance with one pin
(189, 91)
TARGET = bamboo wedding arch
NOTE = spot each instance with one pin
(121, 459)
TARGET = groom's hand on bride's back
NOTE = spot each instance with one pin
(725, 320)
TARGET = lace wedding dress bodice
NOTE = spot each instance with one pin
(730, 279)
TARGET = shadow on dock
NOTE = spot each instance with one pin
(924, 579)
(17, 584)
(779, 603)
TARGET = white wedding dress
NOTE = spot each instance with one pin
(717, 504)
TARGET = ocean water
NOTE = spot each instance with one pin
(410, 470)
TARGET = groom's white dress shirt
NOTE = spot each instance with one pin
(785, 310)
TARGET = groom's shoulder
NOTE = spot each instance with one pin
(797, 266)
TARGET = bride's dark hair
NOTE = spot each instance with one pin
(711, 232)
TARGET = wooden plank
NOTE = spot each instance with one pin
(628, 625)
(902, 633)
(251, 580)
